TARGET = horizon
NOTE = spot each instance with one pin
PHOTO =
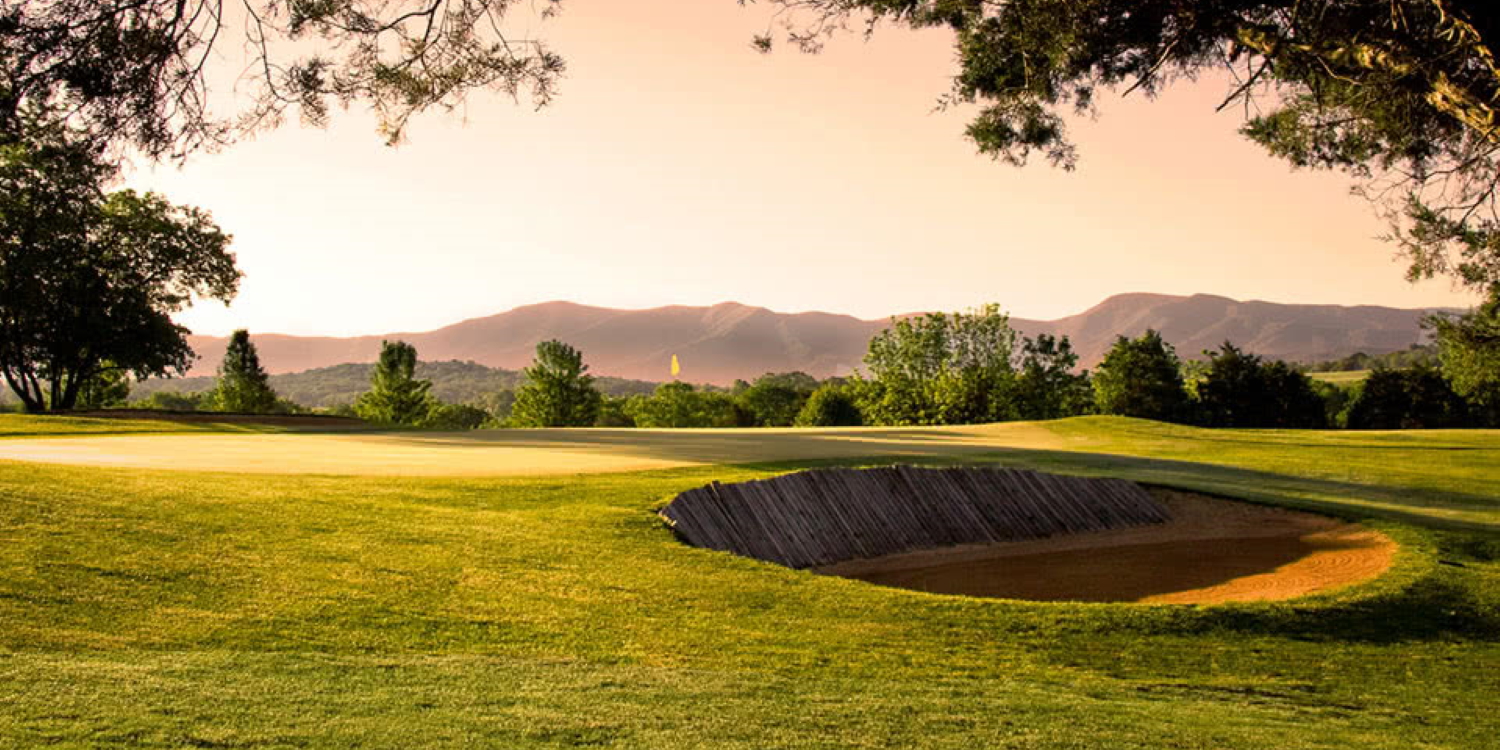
(1010, 313)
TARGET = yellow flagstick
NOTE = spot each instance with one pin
(676, 368)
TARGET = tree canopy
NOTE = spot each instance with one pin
(89, 280)
(243, 386)
(1401, 94)
(396, 396)
(1141, 377)
(138, 72)
(558, 392)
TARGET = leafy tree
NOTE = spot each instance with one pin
(169, 401)
(1469, 349)
(1415, 398)
(830, 406)
(454, 417)
(132, 72)
(108, 388)
(775, 399)
(678, 404)
(88, 278)
(941, 369)
(396, 396)
(1402, 94)
(558, 391)
(1241, 390)
(243, 385)
(1141, 377)
(1047, 387)
(615, 411)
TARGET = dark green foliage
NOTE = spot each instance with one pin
(88, 278)
(941, 369)
(243, 384)
(454, 417)
(830, 406)
(108, 388)
(395, 397)
(169, 401)
(1141, 377)
(1047, 387)
(1411, 399)
(558, 392)
(775, 399)
(130, 72)
(1336, 400)
(679, 404)
(1403, 94)
(1241, 390)
(615, 411)
(1469, 347)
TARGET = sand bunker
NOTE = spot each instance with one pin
(1211, 551)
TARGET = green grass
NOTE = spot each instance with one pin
(152, 608)
(1342, 377)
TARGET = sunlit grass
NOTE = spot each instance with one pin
(155, 608)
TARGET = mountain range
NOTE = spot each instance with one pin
(723, 342)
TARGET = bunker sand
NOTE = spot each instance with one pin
(1212, 551)
(514, 452)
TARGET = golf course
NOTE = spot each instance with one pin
(201, 585)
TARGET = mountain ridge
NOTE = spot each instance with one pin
(729, 340)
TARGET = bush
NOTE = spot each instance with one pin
(1141, 377)
(455, 417)
(1414, 398)
(830, 406)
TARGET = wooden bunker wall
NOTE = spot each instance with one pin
(823, 516)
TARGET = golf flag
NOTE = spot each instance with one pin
(676, 368)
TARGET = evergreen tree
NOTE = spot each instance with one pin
(558, 391)
(244, 387)
(395, 395)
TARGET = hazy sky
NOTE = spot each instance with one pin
(679, 166)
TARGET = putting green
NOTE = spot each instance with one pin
(515, 452)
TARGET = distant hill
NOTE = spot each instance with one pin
(453, 382)
(727, 341)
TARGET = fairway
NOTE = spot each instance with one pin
(338, 592)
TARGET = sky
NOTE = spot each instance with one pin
(679, 166)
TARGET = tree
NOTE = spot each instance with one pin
(1141, 377)
(830, 406)
(775, 398)
(108, 388)
(941, 369)
(395, 395)
(678, 404)
(1403, 95)
(454, 417)
(1415, 398)
(243, 385)
(1241, 390)
(558, 391)
(1047, 387)
(89, 278)
(136, 72)
(1469, 349)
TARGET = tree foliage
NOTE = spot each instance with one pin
(138, 72)
(396, 396)
(243, 386)
(1046, 386)
(88, 277)
(830, 406)
(1141, 377)
(1239, 389)
(941, 369)
(1415, 398)
(1469, 349)
(678, 404)
(1401, 94)
(558, 391)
